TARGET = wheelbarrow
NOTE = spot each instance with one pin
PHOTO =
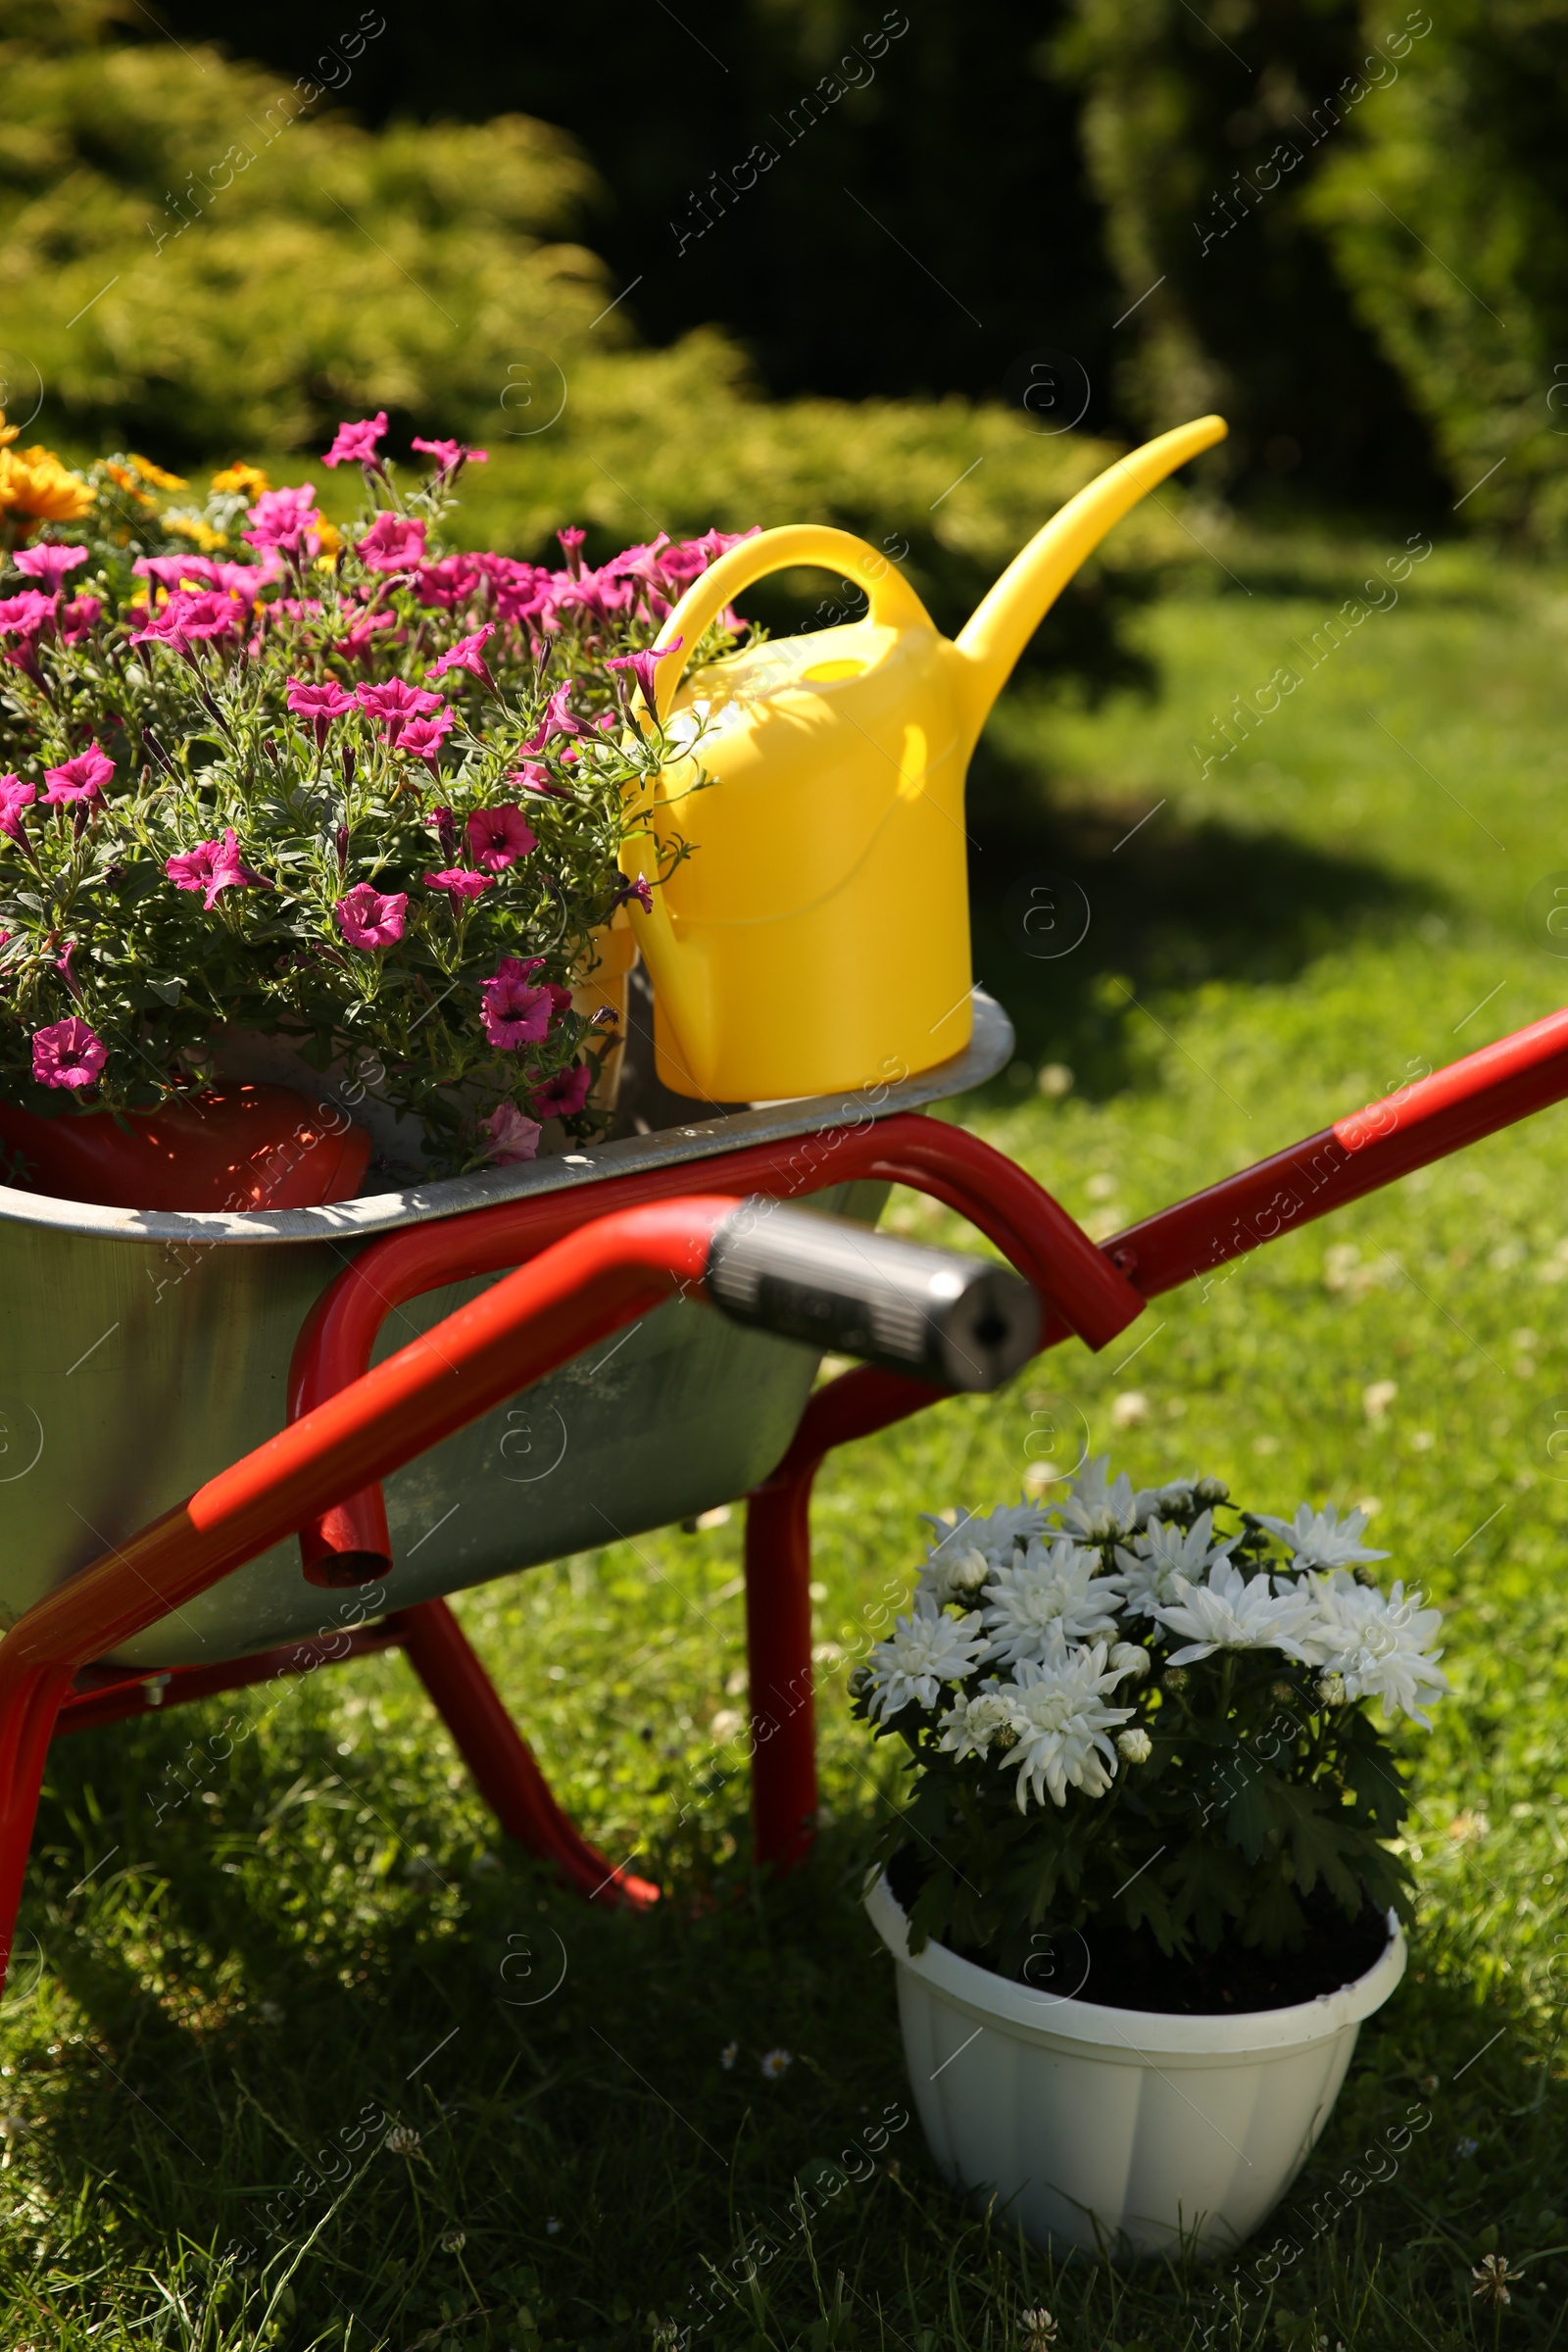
(600, 1310)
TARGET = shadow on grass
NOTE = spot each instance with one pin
(1079, 904)
(629, 2134)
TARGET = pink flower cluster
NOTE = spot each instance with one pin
(232, 610)
(285, 519)
(213, 866)
(188, 617)
(34, 616)
(642, 583)
(515, 1011)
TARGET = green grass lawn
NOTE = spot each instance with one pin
(204, 2042)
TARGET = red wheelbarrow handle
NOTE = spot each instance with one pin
(1082, 1291)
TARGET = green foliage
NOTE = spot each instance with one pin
(1201, 132)
(195, 252)
(948, 123)
(167, 295)
(1246, 1785)
(1448, 214)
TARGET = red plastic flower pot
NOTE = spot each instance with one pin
(227, 1147)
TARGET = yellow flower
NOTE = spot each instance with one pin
(331, 539)
(36, 488)
(250, 480)
(157, 476)
(124, 479)
(8, 433)
(191, 527)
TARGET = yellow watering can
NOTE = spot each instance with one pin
(817, 938)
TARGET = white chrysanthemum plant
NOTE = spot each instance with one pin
(1119, 1712)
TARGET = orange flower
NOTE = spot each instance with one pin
(249, 481)
(124, 479)
(157, 476)
(36, 488)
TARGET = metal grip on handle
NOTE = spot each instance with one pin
(958, 1322)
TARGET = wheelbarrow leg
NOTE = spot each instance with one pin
(778, 1649)
(778, 1605)
(501, 1761)
(30, 1701)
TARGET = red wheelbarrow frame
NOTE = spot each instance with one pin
(575, 1282)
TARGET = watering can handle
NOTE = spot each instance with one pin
(892, 601)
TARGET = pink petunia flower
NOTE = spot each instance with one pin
(28, 617)
(422, 738)
(48, 566)
(80, 618)
(367, 919)
(68, 1053)
(571, 539)
(63, 966)
(563, 1096)
(512, 1138)
(450, 455)
(468, 654)
(556, 720)
(499, 837)
(212, 867)
(459, 883)
(174, 572)
(190, 617)
(355, 444)
(284, 519)
(361, 639)
(641, 889)
(320, 705)
(451, 581)
(80, 779)
(534, 778)
(395, 702)
(515, 1013)
(247, 580)
(393, 543)
(645, 668)
(15, 797)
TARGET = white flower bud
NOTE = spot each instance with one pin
(1331, 1690)
(1130, 1657)
(1136, 1747)
(968, 1571)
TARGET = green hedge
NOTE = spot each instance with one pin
(1448, 215)
(1188, 119)
(233, 307)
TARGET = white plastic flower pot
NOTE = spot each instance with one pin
(1121, 2127)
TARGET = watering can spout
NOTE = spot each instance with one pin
(1006, 619)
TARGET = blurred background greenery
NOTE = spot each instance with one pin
(1003, 176)
(1346, 227)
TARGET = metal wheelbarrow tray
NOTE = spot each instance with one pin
(142, 1353)
(606, 1257)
